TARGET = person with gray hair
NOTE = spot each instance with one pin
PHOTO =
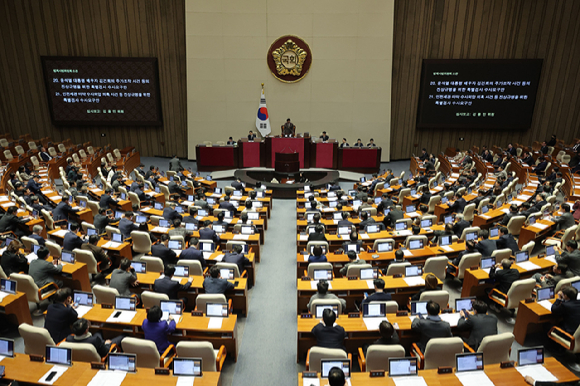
(37, 234)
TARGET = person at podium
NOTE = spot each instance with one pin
(324, 137)
(371, 143)
(251, 136)
(288, 129)
(344, 143)
(359, 143)
(231, 141)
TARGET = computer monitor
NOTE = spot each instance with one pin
(373, 228)
(158, 206)
(378, 200)
(216, 191)
(337, 216)
(207, 247)
(327, 364)
(415, 244)
(345, 230)
(216, 310)
(227, 273)
(385, 247)
(125, 303)
(123, 196)
(464, 304)
(576, 284)
(58, 355)
(181, 271)
(310, 216)
(445, 240)
(237, 193)
(208, 178)
(471, 236)
(418, 307)
(157, 189)
(190, 226)
(332, 204)
(171, 307)
(321, 307)
(444, 200)
(253, 215)
(376, 310)
(484, 209)
(399, 367)
(260, 194)
(141, 219)
(179, 209)
(522, 256)
(448, 219)
(8, 286)
(202, 212)
(532, 220)
(427, 223)
(353, 247)
(164, 223)
(550, 250)
(117, 237)
(352, 193)
(187, 367)
(123, 362)
(531, 356)
(118, 214)
(139, 266)
(68, 257)
(322, 274)
(413, 192)
(401, 226)
(247, 230)
(369, 273)
(469, 362)
(410, 208)
(83, 298)
(363, 179)
(494, 232)
(35, 247)
(413, 270)
(6, 348)
(356, 203)
(175, 244)
(544, 293)
(487, 262)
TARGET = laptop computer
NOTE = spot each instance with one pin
(123, 362)
(322, 274)
(385, 247)
(171, 308)
(522, 256)
(353, 247)
(471, 236)
(400, 367)
(181, 271)
(426, 224)
(164, 223)
(175, 244)
(369, 273)
(139, 266)
(531, 220)
(117, 237)
(187, 367)
(415, 244)
(448, 219)
(484, 209)
(158, 206)
(464, 304)
(253, 215)
(68, 257)
(190, 226)
(401, 226)
(124, 303)
(531, 356)
(247, 230)
(356, 203)
(344, 230)
(373, 228)
(332, 204)
(413, 270)
(545, 293)
(227, 273)
(550, 251)
(216, 191)
(257, 204)
(216, 310)
(207, 247)
(6, 348)
(410, 208)
(494, 232)
(81, 298)
(118, 214)
(321, 307)
(377, 310)
(140, 219)
(327, 364)
(337, 216)
(487, 262)
(469, 362)
(58, 355)
(418, 307)
(445, 240)
(123, 196)
(8, 286)
(202, 213)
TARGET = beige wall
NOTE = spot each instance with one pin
(347, 91)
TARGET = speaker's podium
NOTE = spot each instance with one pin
(287, 162)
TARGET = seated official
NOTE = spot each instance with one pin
(460, 224)
(353, 241)
(430, 327)
(42, 271)
(193, 252)
(559, 272)
(485, 246)
(388, 335)
(506, 240)
(156, 329)
(107, 201)
(251, 136)
(327, 334)
(317, 256)
(570, 257)
(207, 232)
(322, 288)
(170, 214)
(379, 295)
(123, 278)
(60, 315)
(318, 234)
(71, 240)
(568, 307)
(343, 143)
(394, 214)
(165, 285)
(10, 222)
(12, 261)
(399, 258)
(478, 322)
(505, 277)
(191, 218)
(99, 253)
(214, 284)
(230, 141)
(352, 259)
(126, 225)
(162, 251)
(101, 220)
(430, 285)
(178, 230)
(236, 257)
(80, 329)
(324, 137)
(344, 222)
(448, 231)
(288, 129)
(36, 235)
(366, 220)
(469, 248)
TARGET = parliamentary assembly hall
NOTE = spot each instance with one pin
(299, 192)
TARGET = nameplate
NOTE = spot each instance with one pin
(402, 313)
(529, 300)
(36, 358)
(474, 268)
(309, 374)
(398, 275)
(354, 314)
(372, 251)
(506, 364)
(444, 370)
(447, 311)
(377, 373)
(196, 313)
(107, 306)
(161, 371)
(305, 278)
(352, 277)
(98, 366)
(305, 316)
(339, 252)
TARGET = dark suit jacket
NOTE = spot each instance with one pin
(96, 340)
(459, 226)
(572, 259)
(192, 253)
(62, 211)
(98, 252)
(38, 238)
(529, 160)
(504, 278)
(480, 325)
(506, 219)
(458, 205)
(237, 185)
(344, 223)
(425, 198)
(71, 241)
(392, 217)
(58, 321)
(565, 221)
(570, 311)
(126, 227)
(236, 258)
(508, 241)
(171, 214)
(541, 167)
(107, 201)
(45, 156)
(377, 297)
(486, 247)
(100, 222)
(208, 234)
(430, 327)
(164, 253)
(216, 285)
(43, 272)
(13, 263)
(169, 287)
(227, 206)
(329, 336)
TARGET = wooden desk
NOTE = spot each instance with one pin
(533, 233)
(124, 250)
(499, 376)
(528, 319)
(16, 308)
(189, 328)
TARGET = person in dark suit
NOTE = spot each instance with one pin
(193, 252)
(570, 257)
(60, 315)
(318, 234)
(175, 164)
(36, 235)
(251, 136)
(512, 150)
(10, 222)
(164, 285)
(485, 246)
(394, 214)
(353, 240)
(44, 155)
(505, 277)
(424, 155)
(163, 252)
(12, 261)
(430, 327)
(150, 172)
(388, 335)
(123, 278)
(460, 224)
(527, 158)
(170, 214)
(459, 203)
(191, 218)
(541, 167)
(366, 220)
(567, 307)
(380, 294)
(207, 232)
(71, 240)
(469, 248)
(99, 254)
(324, 137)
(316, 256)
(344, 222)
(33, 185)
(327, 334)
(101, 220)
(237, 184)
(566, 220)
(544, 148)
(81, 334)
(227, 205)
(513, 212)
(42, 271)
(506, 240)
(371, 143)
(230, 141)
(214, 284)
(236, 257)
(425, 195)
(478, 322)
(107, 201)
(344, 143)
(126, 225)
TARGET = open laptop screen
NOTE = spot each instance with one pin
(415, 244)
(413, 270)
(125, 303)
(487, 262)
(139, 266)
(8, 286)
(117, 237)
(6, 347)
(374, 310)
(58, 355)
(385, 247)
(426, 223)
(471, 236)
(521, 256)
(187, 367)
(322, 274)
(216, 310)
(369, 273)
(227, 273)
(321, 307)
(68, 257)
(181, 271)
(531, 356)
(494, 232)
(445, 240)
(400, 226)
(469, 362)
(327, 364)
(402, 366)
(418, 307)
(174, 244)
(83, 298)
(123, 362)
(373, 228)
(544, 293)
(463, 304)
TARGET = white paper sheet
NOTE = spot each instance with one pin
(409, 381)
(241, 237)
(185, 381)
(404, 233)
(364, 236)
(528, 266)
(314, 284)
(111, 244)
(407, 253)
(160, 230)
(538, 372)
(215, 323)
(219, 257)
(412, 214)
(469, 378)
(452, 319)
(2, 296)
(125, 317)
(486, 270)
(107, 378)
(540, 226)
(59, 371)
(82, 310)
(546, 304)
(303, 237)
(310, 381)
(370, 284)
(373, 323)
(60, 233)
(414, 281)
(551, 258)
(31, 257)
(447, 248)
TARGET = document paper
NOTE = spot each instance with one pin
(373, 323)
(185, 381)
(469, 378)
(538, 372)
(409, 381)
(107, 378)
(414, 281)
